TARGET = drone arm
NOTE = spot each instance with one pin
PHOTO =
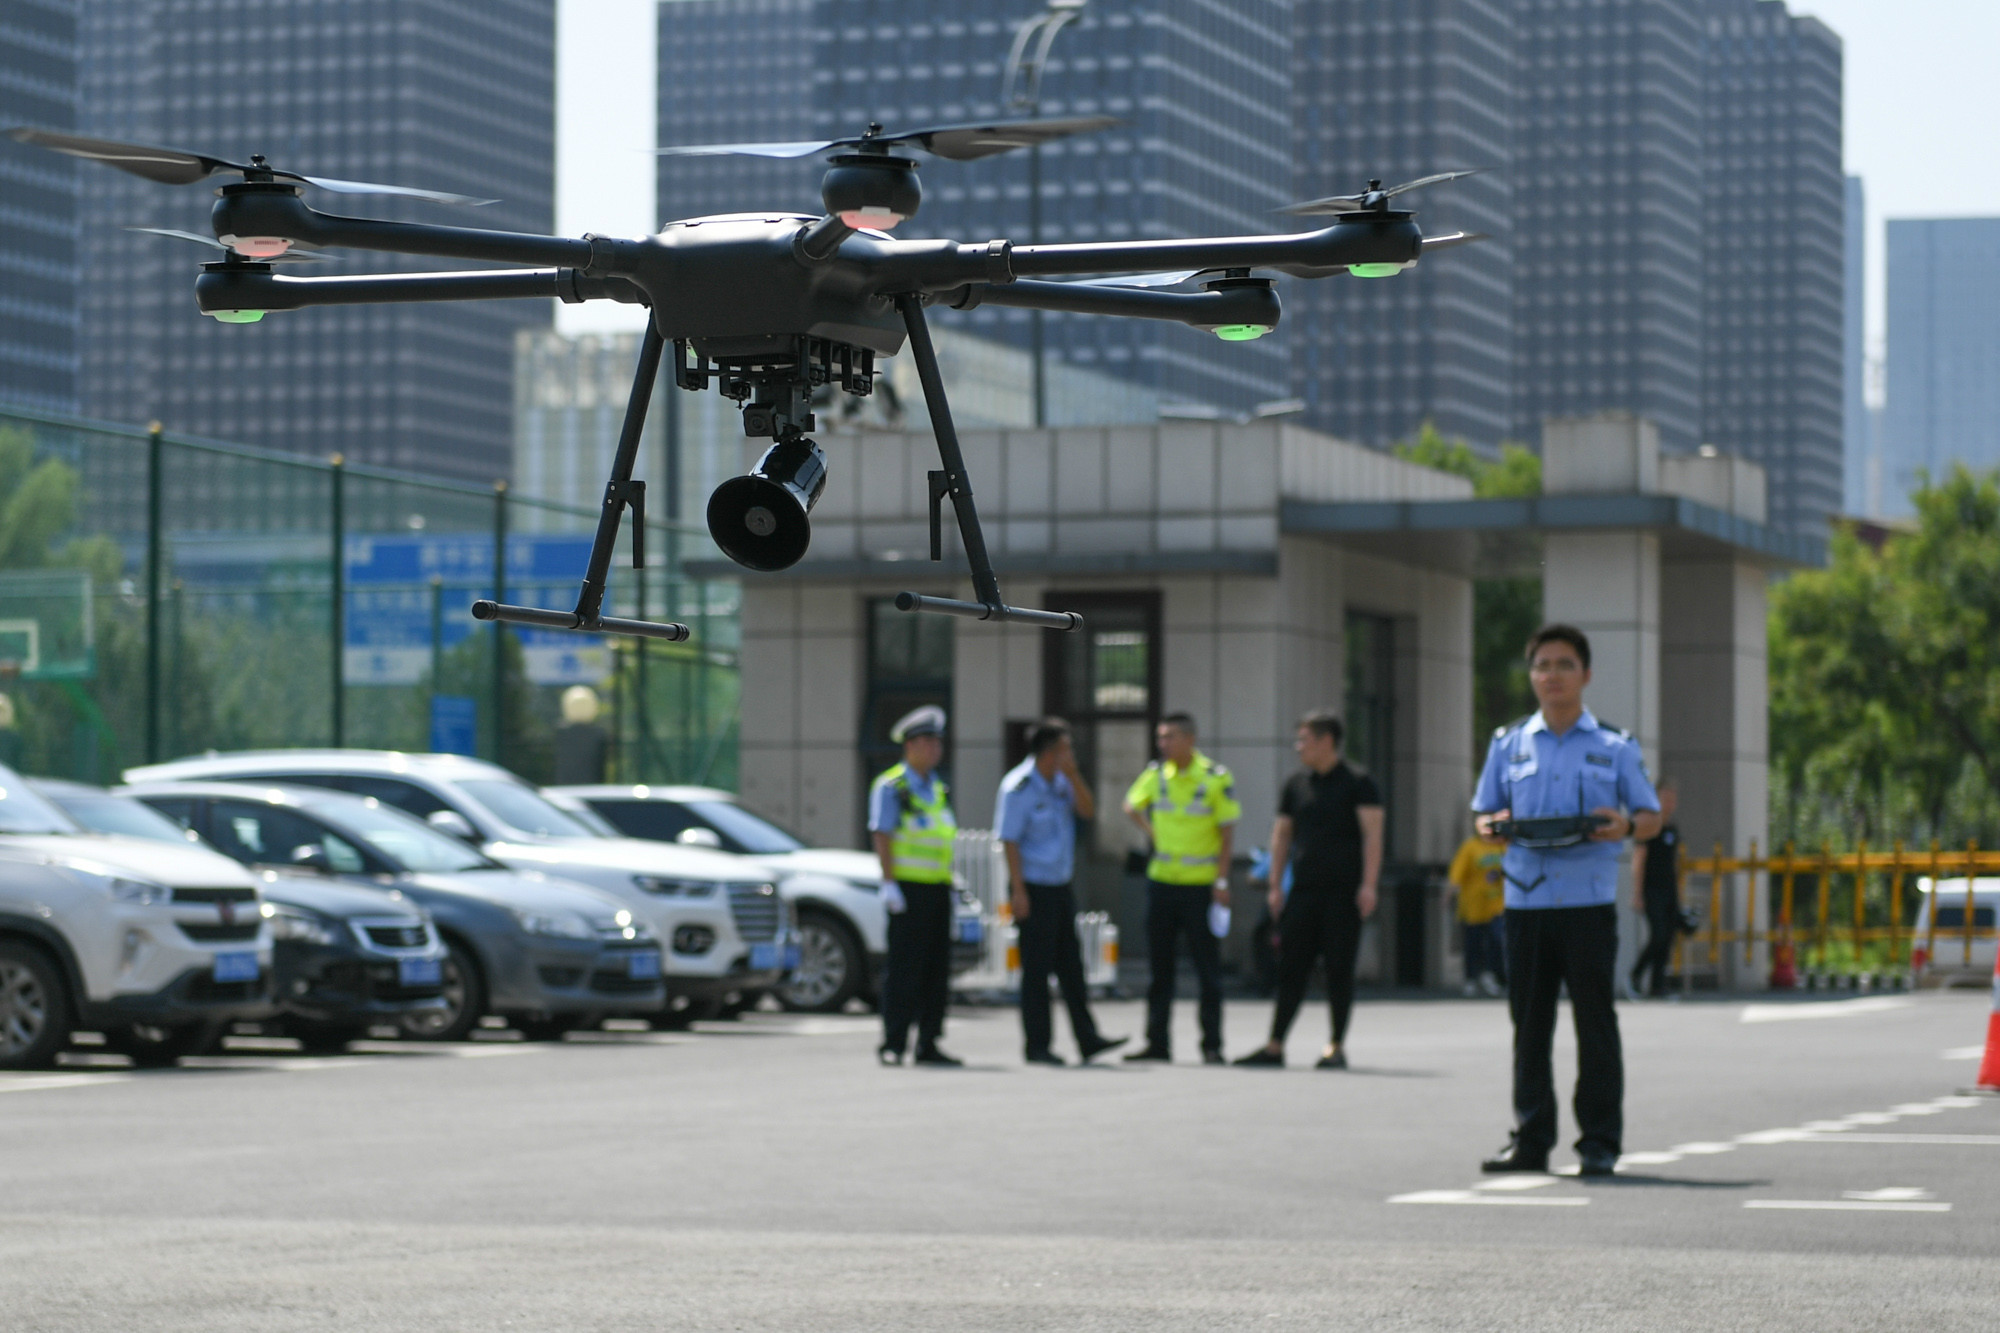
(283, 213)
(1207, 310)
(225, 288)
(1395, 240)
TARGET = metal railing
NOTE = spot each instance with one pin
(979, 864)
(1873, 909)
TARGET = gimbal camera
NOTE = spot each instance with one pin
(768, 306)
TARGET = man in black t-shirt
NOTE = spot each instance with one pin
(1656, 872)
(1329, 830)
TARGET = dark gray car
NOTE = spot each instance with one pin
(544, 954)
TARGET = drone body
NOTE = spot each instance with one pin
(769, 306)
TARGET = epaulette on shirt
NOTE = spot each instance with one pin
(1515, 725)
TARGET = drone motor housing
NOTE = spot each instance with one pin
(871, 190)
(760, 520)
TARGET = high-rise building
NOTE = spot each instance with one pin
(1943, 402)
(1857, 446)
(1608, 213)
(1393, 91)
(1206, 148)
(1773, 224)
(38, 272)
(456, 95)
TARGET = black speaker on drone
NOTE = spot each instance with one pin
(760, 520)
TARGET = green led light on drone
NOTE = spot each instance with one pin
(1375, 270)
(237, 316)
(1241, 333)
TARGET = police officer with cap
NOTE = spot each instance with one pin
(1564, 791)
(911, 821)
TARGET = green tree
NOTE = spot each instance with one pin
(1505, 611)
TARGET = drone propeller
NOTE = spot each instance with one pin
(1374, 199)
(173, 166)
(959, 143)
(1142, 279)
(288, 257)
(1455, 238)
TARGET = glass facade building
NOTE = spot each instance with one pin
(38, 204)
(455, 95)
(1943, 402)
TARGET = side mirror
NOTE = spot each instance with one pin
(452, 822)
(312, 856)
(696, 836)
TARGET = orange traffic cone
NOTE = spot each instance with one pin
(1989, 1068)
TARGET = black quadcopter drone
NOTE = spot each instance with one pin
(770, 306)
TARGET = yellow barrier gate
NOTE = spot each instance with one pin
(1860, 867)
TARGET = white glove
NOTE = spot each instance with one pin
(892, 896)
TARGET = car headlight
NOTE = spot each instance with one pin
(142, 891)
(668, 887)
(561, 925)
(296, 923)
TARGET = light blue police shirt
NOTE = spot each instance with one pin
(885, 812)
(1534, 773)
(1039, 814)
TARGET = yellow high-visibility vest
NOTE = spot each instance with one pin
(1187, 807)
(920, 845)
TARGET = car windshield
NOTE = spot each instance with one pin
(522, 807)
(756, 835)
(25, 810)
(101, 812)
(403, 839)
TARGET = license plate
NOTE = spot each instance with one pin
(643, 966)
(766, 957)
(971, 930)
(236, 967)
(419, 971)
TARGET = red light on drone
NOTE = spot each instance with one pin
(876, 219)
(258, 247)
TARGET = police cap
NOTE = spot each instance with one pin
(925, 721)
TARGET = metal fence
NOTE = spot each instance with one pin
(163, 595)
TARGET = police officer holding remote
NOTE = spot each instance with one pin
(1562, 889)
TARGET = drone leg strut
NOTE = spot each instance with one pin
(619, 492)
(954, 483)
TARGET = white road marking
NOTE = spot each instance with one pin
(1945, 1140)
(1648, 1158)
(1870, 1118)
(1962, 1053)
(45, 1082)
(1473, 1196)
(1846, 1206)
(1791, 1013)
(1507, 1184)
(1702, 1149)
(1891, 1194)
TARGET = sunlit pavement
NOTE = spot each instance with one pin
(766, 1174)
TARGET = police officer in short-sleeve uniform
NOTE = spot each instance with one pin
(912, 825)
(1562, 926)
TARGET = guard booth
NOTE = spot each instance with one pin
(1198, 595)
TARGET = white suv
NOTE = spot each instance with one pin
(154, 945)
(726, 928)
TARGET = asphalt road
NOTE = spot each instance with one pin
(1783, 1171)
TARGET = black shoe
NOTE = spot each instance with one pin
(1338, 1060)
(935, 1055)
(1597, 1162)
(1045, 1058)
(1154, 1053)
(888, 1055)
(1515, 1158)
(1099, 1046)
(1263, 1058)
(1213, 1056)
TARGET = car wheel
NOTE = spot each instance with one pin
(682, 1012)
(151, 1046)
(546, 1029)
(34, 1008)
(831, 967)
(325, 1038)
(464, 1001)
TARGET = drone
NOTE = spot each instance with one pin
(770, 306)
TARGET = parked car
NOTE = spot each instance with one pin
(1949, 904)
(154, 946)
(726, 930)
(546, 955)
(837, 892)
(344, 957)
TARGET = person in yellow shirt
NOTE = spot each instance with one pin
(1482, 897)
(1185, 803)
